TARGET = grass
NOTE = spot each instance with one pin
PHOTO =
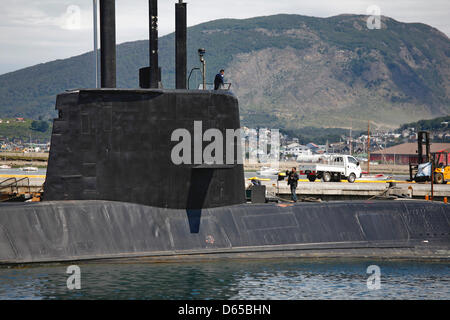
(15, 130)
(6, 156)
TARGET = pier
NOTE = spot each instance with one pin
(360, 190)
(21, 187)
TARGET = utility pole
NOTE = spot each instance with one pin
(351, 138)
(368, 147)
(97, 64)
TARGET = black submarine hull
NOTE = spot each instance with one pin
(63, 231)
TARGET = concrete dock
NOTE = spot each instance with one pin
(362, 190)
(10, 184)
(323, 190)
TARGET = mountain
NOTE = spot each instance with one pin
(288, 71)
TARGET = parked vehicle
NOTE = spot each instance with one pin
(267, 171)
(337, 167)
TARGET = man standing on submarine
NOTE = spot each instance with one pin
(293, 182)
(218, 81)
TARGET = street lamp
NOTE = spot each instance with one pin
(201, 54)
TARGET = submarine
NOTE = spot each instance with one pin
(112, 191)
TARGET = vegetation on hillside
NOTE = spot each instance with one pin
(37, 131)
(436, 124)
(323, 72)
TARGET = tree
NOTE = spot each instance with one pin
(41, 126)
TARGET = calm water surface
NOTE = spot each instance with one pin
(285, 279)
(16, 171)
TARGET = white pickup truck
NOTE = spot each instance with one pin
(333, 169)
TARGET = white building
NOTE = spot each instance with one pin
(296, 150)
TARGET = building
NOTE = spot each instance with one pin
(314, 147)
(401, 154)
(296, 149)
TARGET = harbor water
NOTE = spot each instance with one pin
(266, 279)
(19, 172)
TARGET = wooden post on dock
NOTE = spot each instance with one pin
(432, 178)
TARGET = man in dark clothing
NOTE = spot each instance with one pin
(293, 181)
(218, 81)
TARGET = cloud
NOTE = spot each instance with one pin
(44, 30)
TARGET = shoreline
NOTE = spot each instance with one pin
(283, 166)
(40, 160)
(18, 160)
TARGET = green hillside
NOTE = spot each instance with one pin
(36, 130)
(288, 71)
(437, 124)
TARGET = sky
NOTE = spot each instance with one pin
(38, 31)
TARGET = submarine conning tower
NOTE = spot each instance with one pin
(118, 144)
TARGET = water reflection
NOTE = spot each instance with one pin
(288, 279)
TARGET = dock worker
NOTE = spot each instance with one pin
(293, 182)
(218, 81)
